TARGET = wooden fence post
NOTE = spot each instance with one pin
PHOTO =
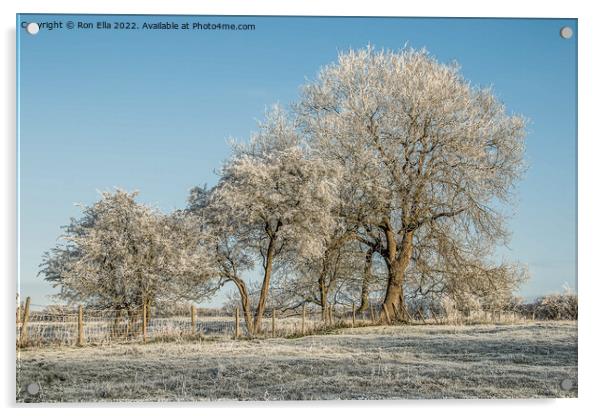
(236, 324)
(303, 320)
(193, 319)
(148, 313)
(353, 315)
(372, 313)
(329, 314)
(273, 322)
(80, 326)
(25, 321)
(144, 321)
(249, 320)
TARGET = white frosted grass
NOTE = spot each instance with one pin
(481, 361)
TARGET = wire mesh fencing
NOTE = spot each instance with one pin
(80, 326)
(39, 325)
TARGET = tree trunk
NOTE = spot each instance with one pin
(266, 283)
(397, 263)
(367, 280)
(244, 303)
(323, 296)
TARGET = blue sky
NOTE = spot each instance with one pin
(153, 110)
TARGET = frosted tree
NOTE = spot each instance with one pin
(318, 278)
(421, 145)
(188, 262)
(228, 249)
(121, 254)
(275, 200)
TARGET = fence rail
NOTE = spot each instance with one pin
(82, 326)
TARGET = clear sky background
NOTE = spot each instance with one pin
(152, 111)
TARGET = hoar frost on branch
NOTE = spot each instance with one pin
(421, 144)
(121, 254)
(272, 202)
(388, 177)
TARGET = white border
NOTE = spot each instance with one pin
(589, 185)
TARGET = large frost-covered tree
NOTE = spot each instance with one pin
(272, 200)
(421, 145)
(121, 254)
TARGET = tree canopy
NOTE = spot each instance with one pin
(420, 143)
(120, 254)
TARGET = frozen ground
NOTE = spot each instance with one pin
(480, 361)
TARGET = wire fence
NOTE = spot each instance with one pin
(38, 325)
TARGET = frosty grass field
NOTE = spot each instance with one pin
(480, 361)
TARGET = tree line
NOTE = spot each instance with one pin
(389, 178)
